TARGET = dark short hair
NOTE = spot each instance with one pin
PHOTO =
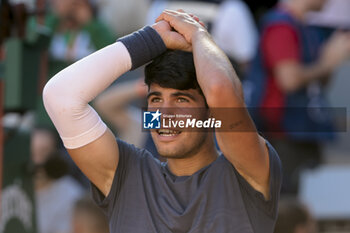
(173, 69)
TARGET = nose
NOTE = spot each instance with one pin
(168, 104)
(168, 110)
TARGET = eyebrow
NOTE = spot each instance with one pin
(176, 94)
(156, 93)
(179, 93)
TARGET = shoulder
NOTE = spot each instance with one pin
(276, 22)
(253, 199)
(280, 40)
(278, 18)
(277, 15)
(279, 32)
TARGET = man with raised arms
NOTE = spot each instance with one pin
(198, 189)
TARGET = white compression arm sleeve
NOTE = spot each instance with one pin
(67, 94)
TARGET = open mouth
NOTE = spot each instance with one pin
(168, 132)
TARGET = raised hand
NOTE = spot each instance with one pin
(171, 38)
(184, 24)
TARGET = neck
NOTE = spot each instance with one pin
(297, 8)
(189, 165)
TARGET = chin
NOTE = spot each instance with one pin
(179, 146)
(173, 145)
(171, 149)
(171, 155)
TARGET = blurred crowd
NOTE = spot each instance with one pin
(284, 52)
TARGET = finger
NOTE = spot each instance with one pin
(196, 18)
(202, 23)
(190, 14)
(160, 17)
(168, 17)
(179, 42)
(181, 10)
(172, 12)
(179, 13)
(165, 15)
(176, 15)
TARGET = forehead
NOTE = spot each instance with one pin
(168, 91)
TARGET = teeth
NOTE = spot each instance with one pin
(168, 132)
(168, 135)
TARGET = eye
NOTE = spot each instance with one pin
(155, 100)
(182, 100)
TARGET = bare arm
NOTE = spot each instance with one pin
(222, 89)
(245, 150)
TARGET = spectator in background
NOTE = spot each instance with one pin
(44, 141)
(123, 16)
(74, 32)
(292, 69)
(88, 218)
(334, 16)
(294, 217)
(55, 192)
(235, 32)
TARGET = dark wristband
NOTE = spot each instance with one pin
(143, 45)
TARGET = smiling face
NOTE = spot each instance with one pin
(176, 143)
(173, 88)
